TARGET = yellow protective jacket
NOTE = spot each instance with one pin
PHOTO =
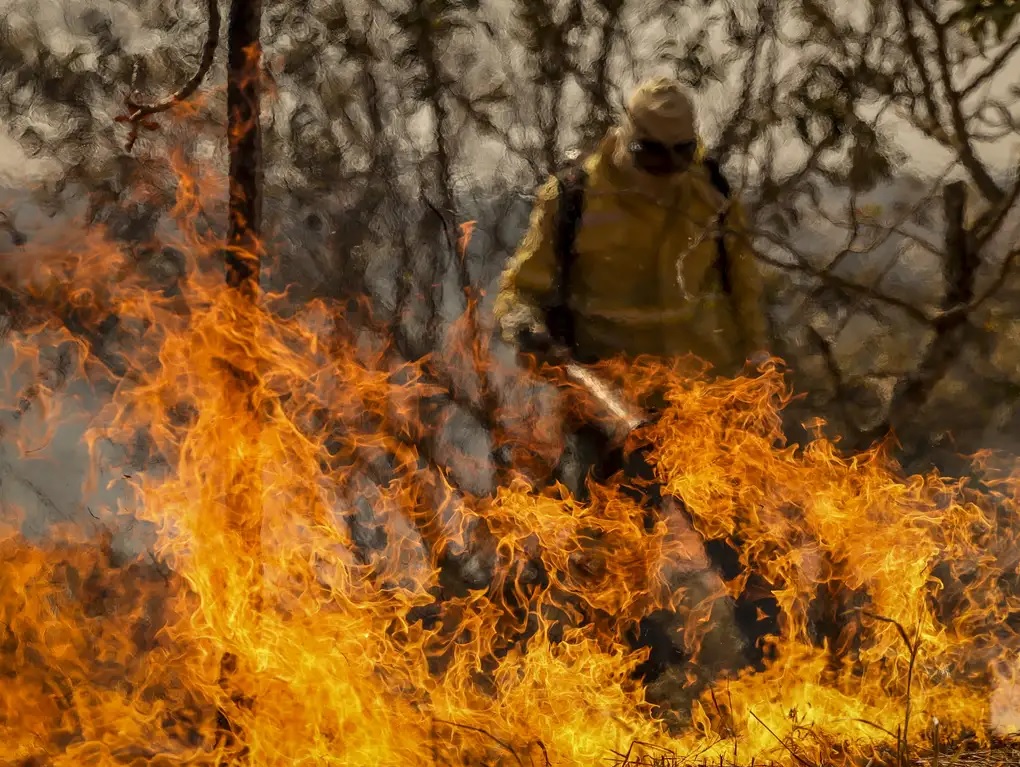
(625, 295)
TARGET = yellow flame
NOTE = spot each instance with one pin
(276, 621)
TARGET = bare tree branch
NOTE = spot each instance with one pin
(804, 267)
(993, 68)
(138, 112)
(962, 260)
(954, 102)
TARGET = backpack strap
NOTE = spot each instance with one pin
(722, 185)
(571, 184)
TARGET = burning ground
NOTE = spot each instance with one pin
(297, 606)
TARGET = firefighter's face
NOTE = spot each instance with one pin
(660, 128)
(660, 158)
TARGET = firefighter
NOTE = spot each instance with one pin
(659, 261)
(639, 249)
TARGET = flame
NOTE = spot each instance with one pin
(293, 609)
(467, 230)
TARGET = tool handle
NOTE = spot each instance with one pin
(611, 412)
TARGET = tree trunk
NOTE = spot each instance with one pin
(244, 142)
(242, 262)
(963, 258)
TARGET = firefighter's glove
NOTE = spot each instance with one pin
(758, 360)
(535, 339)
(525, 328)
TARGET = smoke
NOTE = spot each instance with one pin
(47, 477)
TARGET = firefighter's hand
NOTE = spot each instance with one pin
(758, 360)
(535, 338)
(538, 342)
(524, 327)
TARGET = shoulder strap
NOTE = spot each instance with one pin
(720, 182)
(571, 184)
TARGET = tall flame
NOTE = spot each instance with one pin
(295, 613)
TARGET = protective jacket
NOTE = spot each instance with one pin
(645, 275)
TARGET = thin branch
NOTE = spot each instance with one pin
(740, 115)
(878, 727)
(993, 68)
(913, 647)
(962, 260)
(800, 759)
(912, 311)
(669, 757)
(138, 112)
(953, 99)
(918, 56)
(988, 225)
(996, 285)
(502, 744)
(895, 226)
(545, 752)
(843, 392)
(600, 108)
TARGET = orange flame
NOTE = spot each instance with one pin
(301, 536)
(467, 230)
